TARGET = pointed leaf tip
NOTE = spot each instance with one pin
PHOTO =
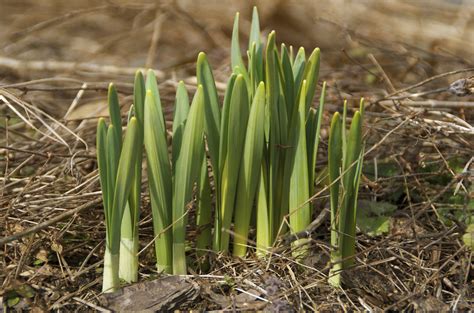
(335, 117)
(201, 55)
(150, 72)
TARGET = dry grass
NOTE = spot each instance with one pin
(51, 219)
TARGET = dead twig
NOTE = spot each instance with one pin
(433, 104)
(63, 66)
(50, 222)
(155, 37)
(424, 82)
(288, 239)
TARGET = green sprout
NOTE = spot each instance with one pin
(116, 165)
(346, 151)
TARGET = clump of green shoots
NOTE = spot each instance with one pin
(263, 142)
(115, 170)
(171, 180)
(346, 151)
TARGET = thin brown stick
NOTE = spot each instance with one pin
(434, 104)
(50, 222)
(155, 37)
(426, 81)
(52, 22)
(62, 66)
(49, 154)
(381, 70)
(309, 230)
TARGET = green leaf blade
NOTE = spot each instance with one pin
(204, 215)
(298, 67)
(113, 154)
(180, 116)
(235, 54)
(264, 231)
(114, 111)
(123, 182)
(152, 85)
(187, 172)
(313, 131)
(237, 125)
(334, 165)
(160, 181)
(249, 171)
(288, 79)
(101, 144)
(139, 96)
(273, 133)
(351, 167)
(300, 214)
(311, 76)
(212, 111)
(255, 29)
